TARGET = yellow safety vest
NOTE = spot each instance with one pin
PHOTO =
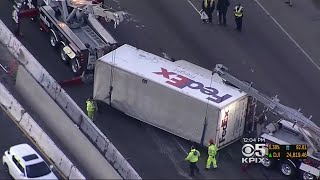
(238, 11)
(212, 150)
(193, 156)
(206, 3)
(90, 105)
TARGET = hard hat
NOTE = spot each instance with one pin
(210, 141)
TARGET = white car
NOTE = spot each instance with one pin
(23, 162)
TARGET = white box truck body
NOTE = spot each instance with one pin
(178, 97)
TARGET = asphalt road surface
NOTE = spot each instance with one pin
(11, 135)
(262, 53)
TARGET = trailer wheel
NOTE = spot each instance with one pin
(287, 168)
(307, 176)
(65, 58)
(53, 40)
(6, 168)
(75, 66)
(268, 163)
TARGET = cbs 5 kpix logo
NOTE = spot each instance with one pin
(253, 153)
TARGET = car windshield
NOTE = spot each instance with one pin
(37, 170)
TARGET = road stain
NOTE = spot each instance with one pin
(169, 150)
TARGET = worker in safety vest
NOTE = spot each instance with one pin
(212, 152)
(238, 15)
(90, 108)
(193, 158)
(208, 7)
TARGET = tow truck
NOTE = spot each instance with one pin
(73, 28)
(292, 128)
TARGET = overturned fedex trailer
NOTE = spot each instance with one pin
(178, 97)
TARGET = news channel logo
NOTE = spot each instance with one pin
(254, 150)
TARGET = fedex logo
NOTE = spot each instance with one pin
(181, 82)
(224, 125)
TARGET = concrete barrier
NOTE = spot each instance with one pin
(39, 136)
(74, 174)
(65, 131)
(11, 105)
(66, 103)
(46, 144)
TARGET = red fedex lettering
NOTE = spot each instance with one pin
(179, 83)
(165, 73)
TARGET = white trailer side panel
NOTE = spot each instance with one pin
(167, 95)
(158, 105)
(213, 117)
(171, 75)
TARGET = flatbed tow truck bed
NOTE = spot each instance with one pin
(83, 34)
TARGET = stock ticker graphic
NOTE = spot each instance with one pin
(256, 149)
(298, 151)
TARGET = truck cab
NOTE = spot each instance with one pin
(73, 28)
(285, 133)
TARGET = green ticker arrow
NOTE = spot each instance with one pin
(270, 155)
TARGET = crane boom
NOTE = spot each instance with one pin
(87, 7)
(274, 105)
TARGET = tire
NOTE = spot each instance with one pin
(287, 169)
(307, 176)
(268, 163)
(64, 57)
(6, 168)
(53, 41)
(75, 67)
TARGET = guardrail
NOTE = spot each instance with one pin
(67, 104)
(25, 121)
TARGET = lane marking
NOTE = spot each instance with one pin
(289, 36)
(34, 143)
(183, 149)
(194, 7)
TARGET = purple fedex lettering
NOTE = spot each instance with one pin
(181, 82)
(216, 98)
